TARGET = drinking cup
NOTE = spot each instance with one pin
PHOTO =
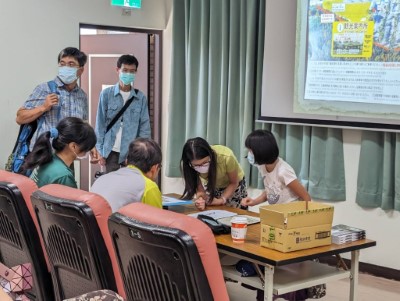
(238, 228)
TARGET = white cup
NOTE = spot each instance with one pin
(239, 228)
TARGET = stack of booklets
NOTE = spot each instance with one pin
(342, 234)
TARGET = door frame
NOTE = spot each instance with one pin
(158, 54)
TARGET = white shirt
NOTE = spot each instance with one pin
(276, 181)
(117, 144)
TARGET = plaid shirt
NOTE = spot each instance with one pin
(71, 104)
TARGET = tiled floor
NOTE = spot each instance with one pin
(370, 289)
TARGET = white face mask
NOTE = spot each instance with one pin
(82, 157)
(203, 168)
(250, 158)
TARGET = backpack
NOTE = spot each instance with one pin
(22, 144)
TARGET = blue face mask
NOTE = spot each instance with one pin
(67, 74)
(250, 158)
(127, 78)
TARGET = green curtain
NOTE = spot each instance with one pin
(217, 56)
(316, 154)
(378, 183)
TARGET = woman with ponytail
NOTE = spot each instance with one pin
(55, 151)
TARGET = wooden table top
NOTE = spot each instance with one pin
(252, 250)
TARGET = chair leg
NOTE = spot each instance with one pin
(341, 263)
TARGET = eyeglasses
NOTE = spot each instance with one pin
(200, 165)
(68, 64)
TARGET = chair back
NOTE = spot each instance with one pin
(20, 241)
(164, 255)
(73, 224)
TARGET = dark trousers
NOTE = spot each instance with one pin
(112, 163)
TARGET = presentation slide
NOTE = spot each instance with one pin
(352, 64)
(332, 63)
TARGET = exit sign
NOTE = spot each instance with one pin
(127, 3)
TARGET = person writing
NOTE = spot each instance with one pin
(136, 182)
(115, 133)
(280, 180)
(212, 174)
(72, 139)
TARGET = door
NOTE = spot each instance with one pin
(103, 47)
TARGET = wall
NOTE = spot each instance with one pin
(33, 33)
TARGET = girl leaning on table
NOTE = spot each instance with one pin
(281, 186)
(212, 175)
(280, 180)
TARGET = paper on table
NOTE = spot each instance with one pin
(171, 201)
(215, 214)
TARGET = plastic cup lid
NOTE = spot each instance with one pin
(239, 220)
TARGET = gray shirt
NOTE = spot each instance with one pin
(120, 187)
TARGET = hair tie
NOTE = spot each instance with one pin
(53, 133)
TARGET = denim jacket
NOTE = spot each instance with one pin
(136, 121)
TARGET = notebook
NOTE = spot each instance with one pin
(171, 201)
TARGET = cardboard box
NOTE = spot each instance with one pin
(288, 240)
(294, 215)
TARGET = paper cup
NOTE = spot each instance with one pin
(238, 228)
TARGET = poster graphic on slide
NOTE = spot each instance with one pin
(353, 55)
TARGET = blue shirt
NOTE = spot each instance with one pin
(70, 104)
(136, 121)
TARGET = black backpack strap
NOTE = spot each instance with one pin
(116, 117)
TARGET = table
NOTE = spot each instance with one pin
(286, 272)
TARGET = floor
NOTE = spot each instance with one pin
(370, 289)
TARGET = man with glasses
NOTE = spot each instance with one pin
(62, 97)
(136, 181)
(122, 115)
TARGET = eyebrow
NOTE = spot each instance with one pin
(67, 62)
